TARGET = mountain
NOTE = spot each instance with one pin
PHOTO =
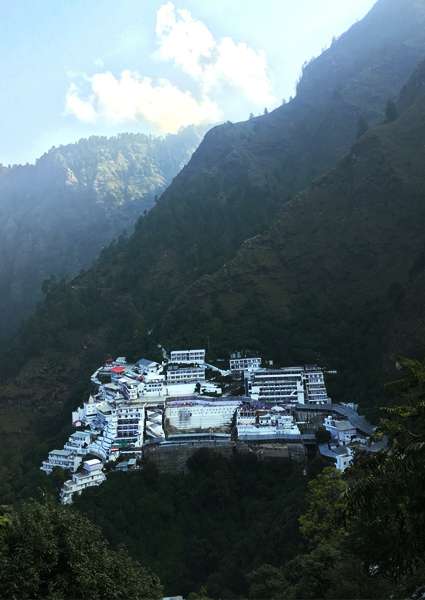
(56, 215)
(235, 250)
(340, 275)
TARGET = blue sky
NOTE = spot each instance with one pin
(73, 68)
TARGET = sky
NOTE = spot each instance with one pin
(75, 68)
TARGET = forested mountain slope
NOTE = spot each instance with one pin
(339, 278)
(302, 291)
(242, 174)
(56, 215)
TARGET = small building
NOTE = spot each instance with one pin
(63, 459)
(146, 366)
(91, 475)
(341, 430)
(341, 455)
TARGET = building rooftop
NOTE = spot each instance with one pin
(92, 462)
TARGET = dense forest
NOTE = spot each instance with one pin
(235, 527)
(57, 215)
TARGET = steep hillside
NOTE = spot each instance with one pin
(301, 291)
(56, 216)
(243, 173)
(340, 276)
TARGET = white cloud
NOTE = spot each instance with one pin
(131, 97)
(213, 64)
(82, 109)
(183, 39)
(192, 47)
(242, 67)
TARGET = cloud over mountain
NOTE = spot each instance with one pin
(187, 44)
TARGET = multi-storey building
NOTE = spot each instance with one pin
(63, 459)
(153, 385)
(78, 442)
(291, 385)
(129, 388)
(90, 476)
(239, 365)
(315, 385)
(191, 357)
(185, 374)
(277, 385)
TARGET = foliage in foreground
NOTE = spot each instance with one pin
(364, 532)
(51, 552)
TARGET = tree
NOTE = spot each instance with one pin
(52, 552)
(391, 111)
(267, 583)
(266, 111)
(386, 497)
(325, 505)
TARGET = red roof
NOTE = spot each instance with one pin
(118, 369)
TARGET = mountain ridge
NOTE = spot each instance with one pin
(57, 214)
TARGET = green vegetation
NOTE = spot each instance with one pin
(364, 532)
(235, 252)
(238, 527)
(230, 252)
(57, 215)
(209, 527)
(337, 278)
(53, 553)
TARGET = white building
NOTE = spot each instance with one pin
(129, 388)
(239, 365)
(64, 459)
(278, 385)
(78, 442)
(185, 374)
(257, 424)
(90, 476)
(291, 385)
(153, 385)
(121, 426)
(147, 366)
(341, 430)
(315, 386)
(341, 455)
(191, 357)
(197, 414)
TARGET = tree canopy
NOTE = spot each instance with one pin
(55, 553)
